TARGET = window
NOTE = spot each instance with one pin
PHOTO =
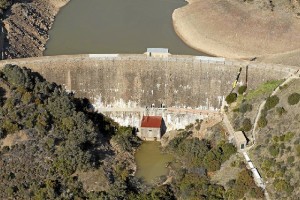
(242, 146)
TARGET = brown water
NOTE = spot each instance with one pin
(116, 26)
(151, 162)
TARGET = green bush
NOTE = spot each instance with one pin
(294, 98)
(245, 107)
(231, 98)
(242, 89)
(4, 4)
(189, 126)
(247, 125)
(291, 159)
(282, 185)
(262, 122)
(273, 150)
(297, 147)
(257, 193)
(271, 102)
(10, 127)
(280, 111)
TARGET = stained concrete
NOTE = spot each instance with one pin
(136, 81)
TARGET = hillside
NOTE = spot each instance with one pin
(269, 117)
(54, 146)
(27, 24)
(278, 144)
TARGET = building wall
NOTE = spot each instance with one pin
(239, 143)
(149, 134)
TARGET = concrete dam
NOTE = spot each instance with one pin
(126, 87)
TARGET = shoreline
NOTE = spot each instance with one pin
(27, 27)
(216, 33)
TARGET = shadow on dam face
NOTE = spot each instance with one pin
(138, 81)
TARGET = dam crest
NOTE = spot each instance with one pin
(125, 87)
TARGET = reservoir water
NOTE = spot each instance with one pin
(151, 163)
(116, 26)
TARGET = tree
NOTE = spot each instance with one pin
(162, 192)
(273, 150)
(231, 98)
(271, 102)
(294, 98)
(212, 160)
(4, 4)
(262, 122)
(244, 107)
(247, 125)
(242, 89)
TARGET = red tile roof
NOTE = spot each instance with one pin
(151, 121)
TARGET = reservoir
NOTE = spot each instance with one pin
(151, 163)
(116, 26)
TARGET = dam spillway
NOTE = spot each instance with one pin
(121, 83)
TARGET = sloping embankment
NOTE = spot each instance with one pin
(237, 30)
(27, 27)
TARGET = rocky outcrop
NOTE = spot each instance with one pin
(27, 27)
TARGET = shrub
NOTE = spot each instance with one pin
(281, 185)
(280, 111)
(262, 122)
(231, 98)
(247, 124)
(289, 136)
(245, 107)
(242, 89)
(271, 102)
(10, 127)
(189, 126)
(257, 193)
(274, 150)
(4, 4)
(294, 98)
(197, 127)
(162, 192)
(297, 147)
(291, 159)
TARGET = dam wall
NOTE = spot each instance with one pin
(136, 81)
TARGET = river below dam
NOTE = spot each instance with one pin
(151, 162)
(116, 26)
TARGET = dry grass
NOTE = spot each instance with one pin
(15, 138)
(93, 180)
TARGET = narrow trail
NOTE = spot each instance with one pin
(227, 123)
(294, 76)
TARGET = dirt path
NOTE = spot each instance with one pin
(262, 105)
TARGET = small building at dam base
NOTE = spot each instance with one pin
(152, 128)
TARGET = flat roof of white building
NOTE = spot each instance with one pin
(157, 50)
(240, 137)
